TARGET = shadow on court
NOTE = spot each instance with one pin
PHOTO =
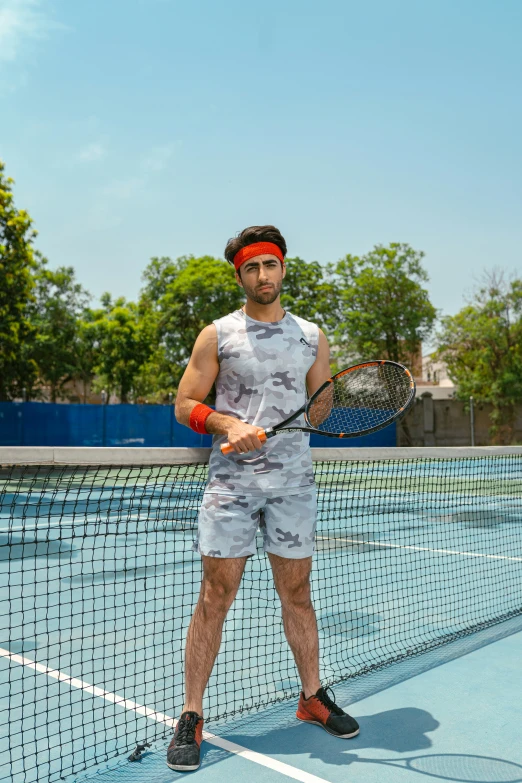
(403, 730)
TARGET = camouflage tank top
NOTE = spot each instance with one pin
(262, 380)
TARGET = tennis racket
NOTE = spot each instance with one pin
(356, 401)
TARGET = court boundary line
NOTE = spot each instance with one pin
(213, 739)
(419, 548)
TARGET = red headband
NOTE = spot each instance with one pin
(257, 249)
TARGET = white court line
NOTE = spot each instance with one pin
(91, 520)
(159, 717)
(421, 548)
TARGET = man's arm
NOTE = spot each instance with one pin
(196, 383)
(320, 371)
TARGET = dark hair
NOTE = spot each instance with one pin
(251, 235)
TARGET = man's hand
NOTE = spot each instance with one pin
(241, 436)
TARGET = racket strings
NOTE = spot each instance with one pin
(360, 399)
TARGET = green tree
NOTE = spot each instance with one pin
(87, 347)
(308, 292)
(158, 275)
(384, 311)
(125, 338)
(158, 376)
(185, 295)
(56, 316)
(482, 348)
(17, 262)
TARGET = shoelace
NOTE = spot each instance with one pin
(187, 729)
(323, 697)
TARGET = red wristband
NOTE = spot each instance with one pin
(198, 417)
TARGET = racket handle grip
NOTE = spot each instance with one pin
(226, 448)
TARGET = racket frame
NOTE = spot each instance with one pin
(271, 431)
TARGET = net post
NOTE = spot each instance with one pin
(171, 435)
(472, 420)
(104, 417)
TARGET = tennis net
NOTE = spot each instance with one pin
(415, 547)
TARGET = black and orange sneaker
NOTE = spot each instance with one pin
(323, 711)
(184, 750)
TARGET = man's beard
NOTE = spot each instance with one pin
(264, 297)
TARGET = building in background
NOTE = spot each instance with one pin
(434, 379)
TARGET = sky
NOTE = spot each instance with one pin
(140, 128)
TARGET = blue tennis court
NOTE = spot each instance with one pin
(419, 564)
(421, 719)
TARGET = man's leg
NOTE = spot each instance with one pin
(221, 579)
(292, 581)
(222, 522)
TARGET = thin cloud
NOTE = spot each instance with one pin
(119, 191)
(92, 152)
(123, 188)
(158, 158)
(21, 20)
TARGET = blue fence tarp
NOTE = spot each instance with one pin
(380, 439)
(49, 424)
(55, 424)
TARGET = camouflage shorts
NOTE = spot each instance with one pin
(228, 524)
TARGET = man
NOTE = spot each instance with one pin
(264, 361)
